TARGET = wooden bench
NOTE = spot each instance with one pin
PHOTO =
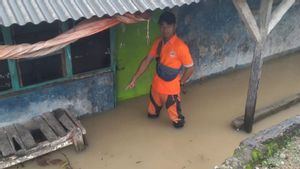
(40, 135)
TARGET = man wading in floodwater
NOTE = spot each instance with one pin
(171, 53)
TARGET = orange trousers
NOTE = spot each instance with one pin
(172, 103)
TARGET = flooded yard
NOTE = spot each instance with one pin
(125, 138)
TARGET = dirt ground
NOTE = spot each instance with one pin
(286, 158)
(125, 139)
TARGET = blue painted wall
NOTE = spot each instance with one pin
(82, 96)
(219, 41)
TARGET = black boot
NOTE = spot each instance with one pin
(179, 124)
(153, 116)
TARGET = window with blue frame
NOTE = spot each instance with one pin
(42, 69)
(91, 53)
(83, 56)
(5, 83)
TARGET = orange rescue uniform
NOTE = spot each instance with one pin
(175, 54)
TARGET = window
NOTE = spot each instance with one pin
(87, 54)
(1, 39)
(49, 67)
(40, 70)
(5, 82)
(91, 53)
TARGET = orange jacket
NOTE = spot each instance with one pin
(175, 53)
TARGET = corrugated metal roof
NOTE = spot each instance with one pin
(35, 11)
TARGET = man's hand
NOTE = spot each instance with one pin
(143, 66)
(183, 88)
(186, 75)
(131, 85)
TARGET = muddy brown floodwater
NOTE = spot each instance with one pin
(125, 139)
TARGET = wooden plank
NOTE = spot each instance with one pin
(265, 16)
(21, 132)
(45, 128)
(78, 140)
(5, 147)
(255, 75)
(248, 18)
(39, 150)
(54, 124)
(30, 125)
(12, 134)
(73, 118)
(279, 12)
(67, 122)
(238, 122)
(25, 136)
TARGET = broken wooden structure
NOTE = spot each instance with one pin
(269, 110)
(40, 135)
(268, 19)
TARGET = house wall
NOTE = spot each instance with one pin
(83, 96)
(219, 41)
(217, 38)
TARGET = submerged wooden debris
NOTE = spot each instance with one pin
(238, 123)
(40, 135)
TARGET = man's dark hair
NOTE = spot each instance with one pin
(167, 17)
